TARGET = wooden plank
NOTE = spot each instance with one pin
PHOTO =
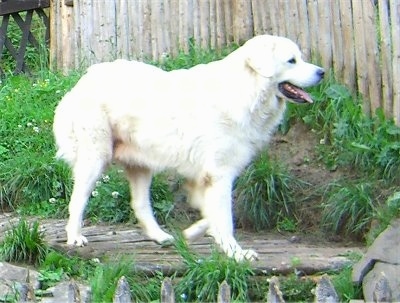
(395, 21)
(174, 26)
(361, 53)
(220, 29)
(196, 22)
(16, 6)
(337, 41)
(204, 24)
(242, 21)
(304, 29)
(312, 7)
(213, 22)
(386, 57)
(374, 80)
(346, 18)
(324, 35)
(228, 20)
(122, 31)
(145, 33)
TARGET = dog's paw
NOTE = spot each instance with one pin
(161, 237)
(77, 241)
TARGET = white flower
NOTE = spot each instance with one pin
(29, 124)
(115, 194)
(58, 91)
(19, 126)
(36, 129)
(98, 183)
(52, 200)
(106, 178)
(95, 193)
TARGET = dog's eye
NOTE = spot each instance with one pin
(292, 61)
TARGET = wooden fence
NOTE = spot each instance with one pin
(21, 12)
(358, 40)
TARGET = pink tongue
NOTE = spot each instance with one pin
(305, 96)
(298, 92)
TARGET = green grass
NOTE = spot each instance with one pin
(203, 275)
(24, 242)
(265, 195)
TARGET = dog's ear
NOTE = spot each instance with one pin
(262, 66)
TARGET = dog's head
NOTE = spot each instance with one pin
(279, 60)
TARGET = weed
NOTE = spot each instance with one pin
(349, 208)
(24, 242)
(383, 216)
(264, 195)
(344, 286)
(203, 276)
(106, 276)
(295, 289)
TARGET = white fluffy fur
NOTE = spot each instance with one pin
(206, 122)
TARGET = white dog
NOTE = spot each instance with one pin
(206, 122)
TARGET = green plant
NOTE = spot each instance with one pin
(24, 242)
(203, 276)
(344, 286)
(295, 289)
(384, 215)
(110, 201)
(349, 207)
(106, 276)
(28, 171)
(264, 195)
(57, 266)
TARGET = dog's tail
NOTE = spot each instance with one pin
(63, 129)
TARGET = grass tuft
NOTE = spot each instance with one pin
(265, 195)
(203, 275)
(24, 242)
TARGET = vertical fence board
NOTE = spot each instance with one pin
(204, 23)
(221, 40)
(312, 7)
(337, 41)
(346, 17)
(372, 65)
(304, 29)
(387, 70)
(395, 23)
(324, 34)
(360, 51)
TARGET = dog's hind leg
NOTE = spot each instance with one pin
(86, 171)
(140, 180)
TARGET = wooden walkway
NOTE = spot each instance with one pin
(277, 254)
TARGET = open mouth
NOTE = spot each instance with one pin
(294, 93)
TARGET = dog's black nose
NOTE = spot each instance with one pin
(321, 73)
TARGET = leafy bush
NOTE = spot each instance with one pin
(24, 243)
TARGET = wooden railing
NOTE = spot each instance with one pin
(22, 11)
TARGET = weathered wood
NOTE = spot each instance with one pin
(275, 253)
(16, 6)
(274, 293)
(122, 292)
(167, 291)
(395, 29)
(224, 293)
(387, 68)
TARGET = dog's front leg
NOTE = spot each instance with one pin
(217, 211)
